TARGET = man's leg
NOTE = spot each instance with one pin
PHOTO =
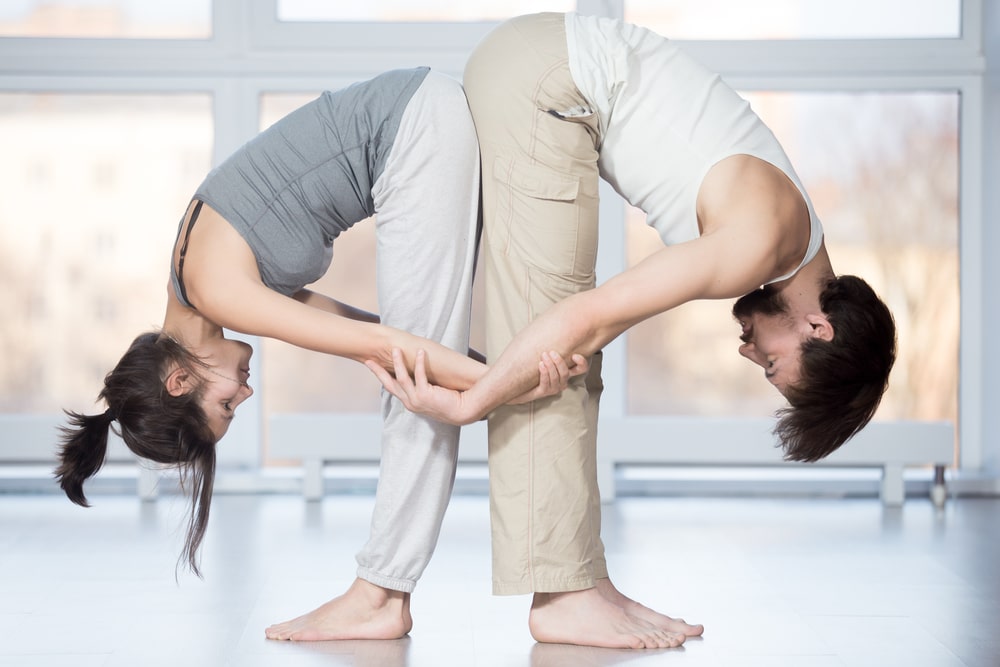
(540, 225)
(540, 230)
(427, 202)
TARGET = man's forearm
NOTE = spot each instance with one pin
(565, 328)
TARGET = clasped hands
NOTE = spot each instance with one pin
(451, 405)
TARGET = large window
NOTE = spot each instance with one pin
(296, 380)
(403, 10)
(177, 19)
(94, 187)
(682, 19)
(882, 171)
(113, 111)
(798, 19)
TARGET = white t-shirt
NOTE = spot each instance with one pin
(665, 120)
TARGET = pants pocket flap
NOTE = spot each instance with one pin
(536, 181)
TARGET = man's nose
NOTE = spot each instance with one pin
(749, 351)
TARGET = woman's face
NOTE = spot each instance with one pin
(225, 382)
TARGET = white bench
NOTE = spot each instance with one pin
(318, 439)
(891, 446)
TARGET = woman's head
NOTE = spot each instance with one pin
(841, 366)
(157, 419)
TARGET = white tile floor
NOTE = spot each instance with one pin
(777, 583)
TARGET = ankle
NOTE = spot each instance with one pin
(539, 600)
(543, 599)
(379, 596)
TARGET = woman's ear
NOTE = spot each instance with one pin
(821, 327)
(179, 381)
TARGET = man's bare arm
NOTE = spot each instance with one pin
(713, 266)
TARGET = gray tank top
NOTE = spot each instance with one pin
(295, 187)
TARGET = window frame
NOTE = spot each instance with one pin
(250, 52)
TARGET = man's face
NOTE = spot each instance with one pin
(771, 337)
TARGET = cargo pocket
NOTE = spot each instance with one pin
(544, 220)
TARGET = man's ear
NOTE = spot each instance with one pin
(179, 381)
(820, 327)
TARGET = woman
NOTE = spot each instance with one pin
(260, 227)
(559, 100)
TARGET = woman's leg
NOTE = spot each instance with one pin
(426, 227)
(427, 204)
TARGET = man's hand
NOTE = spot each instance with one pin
(553, 376)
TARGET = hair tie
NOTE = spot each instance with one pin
(109, 415)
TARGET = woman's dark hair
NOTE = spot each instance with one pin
(155, 425)
(841, 381)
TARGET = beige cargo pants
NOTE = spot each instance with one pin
(540, 204)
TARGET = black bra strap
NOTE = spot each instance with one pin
(184, 247)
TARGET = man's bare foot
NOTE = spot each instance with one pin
(587, 618)
(636, 610)
(365, 611)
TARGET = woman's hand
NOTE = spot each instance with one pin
(420, 396)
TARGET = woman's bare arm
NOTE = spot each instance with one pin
(250, 307)
(224, 284)
(323, 302)
(331, 305)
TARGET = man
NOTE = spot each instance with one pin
(559, 100)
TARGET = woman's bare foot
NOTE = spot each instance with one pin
(636, 610)
(586, 618)
(365, 611)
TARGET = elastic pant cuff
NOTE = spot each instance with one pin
(392, 583)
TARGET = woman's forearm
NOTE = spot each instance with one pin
(451, 369)
(445, 367)
(330, 305)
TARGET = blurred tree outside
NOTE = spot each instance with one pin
(885, 185)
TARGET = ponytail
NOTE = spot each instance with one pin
(84, 446)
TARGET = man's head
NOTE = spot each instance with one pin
(832, 366)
